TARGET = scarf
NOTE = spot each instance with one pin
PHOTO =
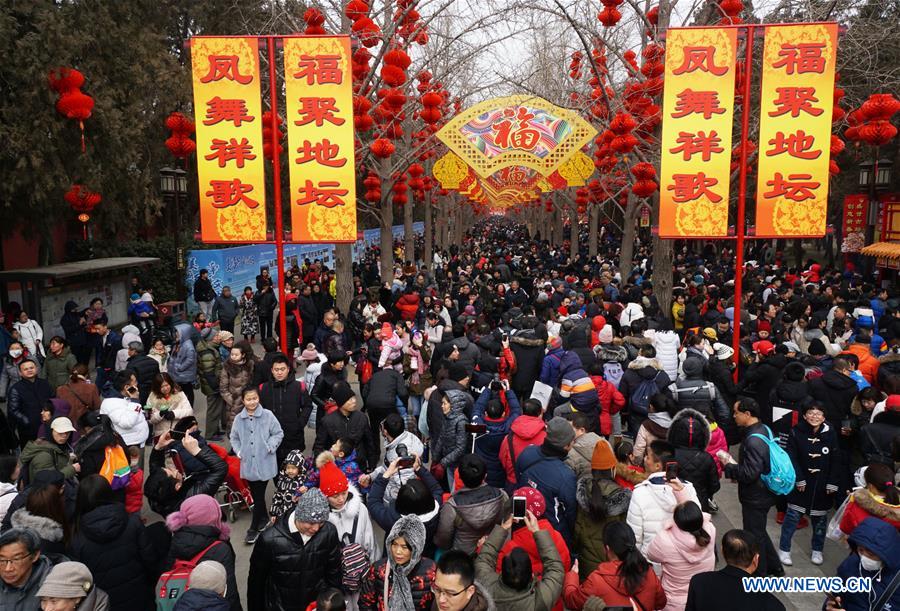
(399, 598)
(415, 362)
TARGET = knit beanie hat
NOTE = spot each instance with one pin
(386, 330)
(224, 336)
(763, 325)
(198, 510)
(310, 353)
(534, 500)
(312, 507)
(603, 457)
(817, 348)
(209, 575)
(341, 393)
(457, 372)
(332, 480)
(559, 432)
(67, 580)
(605, 335)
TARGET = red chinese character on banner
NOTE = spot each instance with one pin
(700, 58)
(795, 100)
(327, 193)
(218, 110)
(692, 144)
(225, 193)
(225, 67)
(690, 187)
(324, 153)
(797, 187)
(318, 110)
(522, 137)
(231, 150)
(705, 103)
(798, 144)
(801, 58)
(320, 69)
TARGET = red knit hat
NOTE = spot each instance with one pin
(892, 403)
(534, 500)
(387, 330)
(763, 325)
(332, 480)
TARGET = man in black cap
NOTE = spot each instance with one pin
(347, 422)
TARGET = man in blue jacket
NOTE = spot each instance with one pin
(496, 408)
(544, 468)
(875, 553)
(182, 365)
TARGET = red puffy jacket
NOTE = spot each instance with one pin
(611, 402)
(408, 305)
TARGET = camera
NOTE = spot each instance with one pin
(403, 454)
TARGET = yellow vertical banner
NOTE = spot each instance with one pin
(228, 117)
(698, 108)
(319, 95)
(796, 101)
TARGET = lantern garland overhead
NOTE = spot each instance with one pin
(179, 142)
(72, 102)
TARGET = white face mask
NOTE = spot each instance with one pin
(869, 564)
(15, 353)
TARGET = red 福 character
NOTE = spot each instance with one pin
(225, 67)
(699, 143)
(795, 100)
(522, 137)
(797, 187)
(801, 58)
(327, 193)
(225, 193)
(798, 144)
(700, 58)
(218, 110)
(318, 111)
(231, 150)
(704, 103)
(690, 187)
(320, 69)
(324, 153)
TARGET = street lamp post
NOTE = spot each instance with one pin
(874, 176)
(173, 183)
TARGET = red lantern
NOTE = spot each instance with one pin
(64, 79)
(398, 58)
(180, 146)
(356, 9)
(643, 171)
(382, 148)
(83, 201)
(393, 75)
(609, 16)
(877, 133)
(314, 21)
(880, 107)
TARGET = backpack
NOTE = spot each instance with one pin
(116, 468)
(640, 398)
(613, 372)
(781, 476)
(174, 582)
(354, 560)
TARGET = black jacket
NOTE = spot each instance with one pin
(835, 392)
(709, 590)
(25, 402)
(309, 314)
(145, 369)
(113, 545)
(760, 379)
(753, 462)
(208, 482)
(72, 325)
(528, 346)
(354, 427)
(285, 573)
(383, 389)
(291, 404)
(203, 290)
(188, 541)
(266, 302)
(202, 600)
(322, 389)
(689, 433)
(875, 439)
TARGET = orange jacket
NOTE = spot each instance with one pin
(868, 364)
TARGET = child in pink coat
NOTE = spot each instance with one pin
(391, 349)
(684, 547)
(717, 442)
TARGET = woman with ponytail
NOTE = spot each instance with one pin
(879, 499)
(684, 547)
(625, 579)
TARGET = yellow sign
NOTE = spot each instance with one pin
(319, 94)
(698, 108)
(796, 101)
(228, 115)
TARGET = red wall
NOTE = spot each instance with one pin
(19, 252)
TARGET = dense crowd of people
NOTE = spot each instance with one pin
(520, 430)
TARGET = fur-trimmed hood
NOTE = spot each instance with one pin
(689, 429)
(47, 529)
(527, 339)
(638, 341)
(630, 475)
(611, 352)
(866, 501)
(642, 362)
(617, 498)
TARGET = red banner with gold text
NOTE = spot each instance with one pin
(796, 100)
(698, 108)
(227, 111)
(319, 93)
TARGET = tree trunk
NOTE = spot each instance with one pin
(428, 244)
(629, 232)
(409, 238)
(343, 274)
(573, 224)
(387, 239)
(560, 224)
(593, 225)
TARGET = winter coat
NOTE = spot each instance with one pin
(283, 500)
(408, 305)
(611, 402)
(579, 457)
(57, 368)
(209, 366)
(760, 378)
(681, 558)
(32, 336)
(182, 365)
(814, 456)
(868, 364)
(289, 401)
(127, 419)
(469, 514)
(543, 468)
(255, 439)
(421, 578)
(451, 443)
(656, 426)
(753, 461)
(145, 370)
(26, 399)
(24, 598)
(526, 431)
(196, 599)
(235, 377)
(835, 392)
(692, 391)
(322, 389)
(469, 354)
(490, 445)
(884, 542)
(876, 438)
(528, 346)
(385, 515)
(44, 455)
(225, 309)
(50, 531)
(638, 370)
(863, 504)
(109, 348)
(710, 590)
(576, 387)
(653, 502)
(82, 397)
(588, 541)
(717, 441)
(9, 373)
(177, 403)
(721, 376)
(666, 344)
(606, 584)
(207, 481)
(354, 510)
(457, 394)
(288, 574)
(113, 545)
(384, 388)
(72, 325)
(689, 433)
(550, 367)
(889, 366)
(355, 427)
(577, 340)
(417, 388)
(414, 446)
(203, 290)
(522, 538)
(539, 595)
